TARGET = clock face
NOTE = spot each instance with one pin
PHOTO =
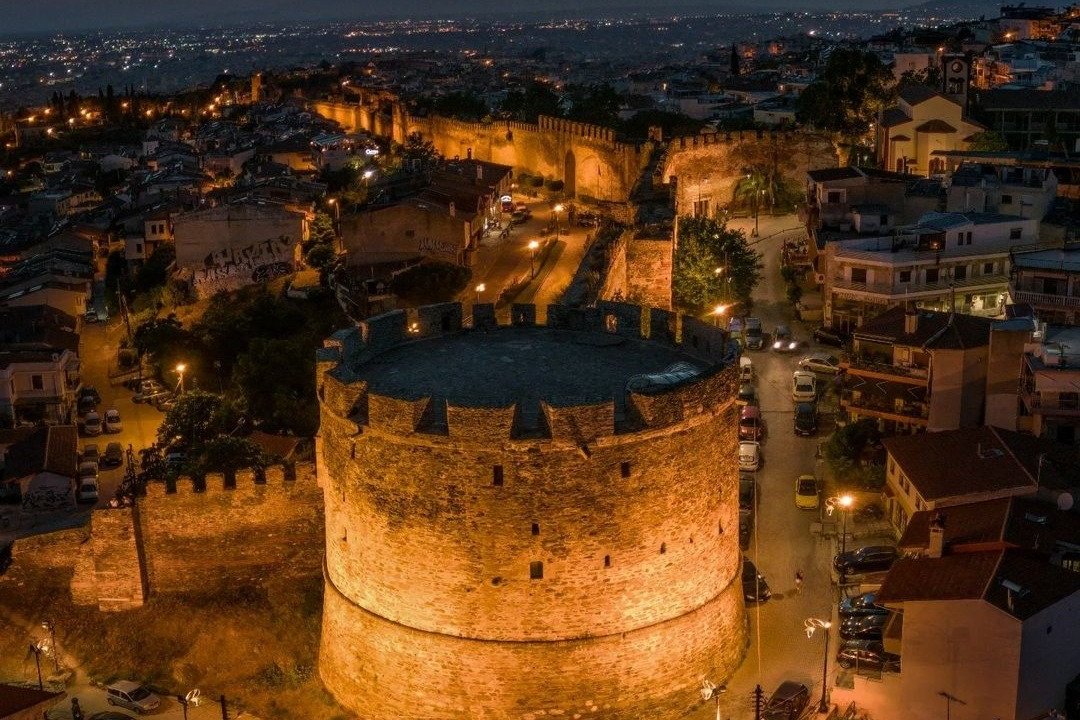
(957, 66)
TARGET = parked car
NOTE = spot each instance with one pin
(87, 491)
(165, 401)
(872, 558)
(751, 426)
(90, 454)
(92, 424)
(746, 369)
(825, 336)
(868, 654)
(866, 627)
(114, 455)
(88, 469)
(746, 527)
(147, 390)
(133, 696)
(747, 395)
(749, 455)
(787, 701)
(783, 340)
(861, 605)
(90, 392)
(806, 492)
(755, 589)
(90, 317)
(821, 363)
(806, 418)
(112, 421)
(755, 334)
(803, 386)
(749, 491)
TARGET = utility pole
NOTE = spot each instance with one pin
(759, 702)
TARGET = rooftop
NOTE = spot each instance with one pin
(934, 330)
(49, 449)
(15, 699)
(982, 460)
(523, 365)
(1062, 259)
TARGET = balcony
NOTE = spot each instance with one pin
(881, 369)
(886, 399)
(1045, 299)
(1037, 405)
(915, 289)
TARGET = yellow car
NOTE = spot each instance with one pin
(806, 493)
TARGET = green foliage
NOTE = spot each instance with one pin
(196, 418)
(534, 100)
(794, 293)
(768, 168)
(161, 337)
(597, 104)
(227, 453)
(321, 256)
(848, 94)
(672, 123)
(155, 271)
(843, 448)
(988, 141)
(704, 245)
(321, 230)
(285, 402)
(929, 76)
(416, 148)
(431, 282)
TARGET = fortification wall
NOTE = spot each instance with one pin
(591, 568)
(180, 539)
(707, 167)
(639, 270)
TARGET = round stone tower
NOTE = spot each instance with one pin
(528, 521)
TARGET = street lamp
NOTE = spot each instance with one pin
(711, 691)
(36, 648)
(558, 209)
(50, 628)
(180, 369)
(534, 245)
(810, 625)
(332, 202)
(718, 311)
(368, 174)
(479, 289)
(844, 502)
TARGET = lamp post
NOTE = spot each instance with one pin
(558, 209)
(180, 368)
(712, 691)
(479, 289)
(844, 502)
(811, 625)
(50, 627)
(534, 245)
(36, 648)
(717, 312)
(332, 202)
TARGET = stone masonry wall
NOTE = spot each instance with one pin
(639, 270)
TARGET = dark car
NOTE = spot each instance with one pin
(114, 455)
(749, 489)
(869, 559)
(861, 606)
(755, 589)
(747, 395)
(787, 701)
(866, 654)
(825, 336)
(805, 418)
(865, 627)
(746, 527)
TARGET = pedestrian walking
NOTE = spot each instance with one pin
(798, 581)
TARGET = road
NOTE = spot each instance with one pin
(779, 649)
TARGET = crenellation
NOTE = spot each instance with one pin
(705, 341)
(384, 331)
(621, 319)
(483, 316)
(523, 314)
(663, 326)
(491, 426)
(437, 319)
(580, 424)
(395, 415)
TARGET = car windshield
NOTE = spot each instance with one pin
(139, 693)
(804, 386)
(807, 486)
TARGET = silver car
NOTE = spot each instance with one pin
(133, 696)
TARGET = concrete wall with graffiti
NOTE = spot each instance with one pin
(228, 247)
(406, 231)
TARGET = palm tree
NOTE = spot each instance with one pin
(755, 189)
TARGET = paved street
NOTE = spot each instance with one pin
(779, 649)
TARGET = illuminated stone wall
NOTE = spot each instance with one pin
(432, 538)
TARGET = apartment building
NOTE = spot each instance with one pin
(1049, 281)
(957, 261)
(1050, 385)
(1026, 192)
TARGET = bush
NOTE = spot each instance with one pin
(554, 185)
(431, 282)
(536, 181)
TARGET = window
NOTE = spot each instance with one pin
(37, 382)
(410, 233)
(905, 276)
(988, 268)
(960, 272)
(959, 238)
(611, 323)
(969, 237)
(497, 475)
(919, 504)
(858, 275)
(625, 469)
(1006, 199)
(607, 561)
(536, 570)
(834, 196)
(663, 548)
(931, 275)
(1016, 233)
(138, 248)
(536, 528)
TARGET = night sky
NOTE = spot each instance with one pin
(52, 15)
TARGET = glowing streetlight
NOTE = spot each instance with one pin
(811, 625)
(712, 691)
(558, 209)
(534, 245)
(368, 174)
(180, 369)
(844, 503)
(479, 289)
(718, 312)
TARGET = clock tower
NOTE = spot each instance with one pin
(956, 77)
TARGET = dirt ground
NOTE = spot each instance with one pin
(258, 648)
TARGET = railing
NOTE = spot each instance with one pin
(1038, 298)
(1036, 404)
(904, 410)
(914, 288)
(881, 367)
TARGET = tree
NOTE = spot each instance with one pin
(321, 256)
(161, 337)
(534, 100)
(227, 453)
(430, 282)
(596, 104)
(929, 76)
(463, 105)
(767, 166)
(155, 271)
(988, 141)
(196, 417)
(321, 230)
(277, 378)
(418, 150)
(703, 246)
(846, 98)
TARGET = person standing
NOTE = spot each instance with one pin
(798, 581)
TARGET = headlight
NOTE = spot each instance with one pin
(776, 346)
(792, 346)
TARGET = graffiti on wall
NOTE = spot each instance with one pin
(232, 268)
(430, 246)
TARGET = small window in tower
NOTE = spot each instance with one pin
(607, 561)
(497, 475)
(663, 548)
(625, 469)
(344, 536)
(536, 570)
(611, 323)
(720, 528)
(536, 528)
